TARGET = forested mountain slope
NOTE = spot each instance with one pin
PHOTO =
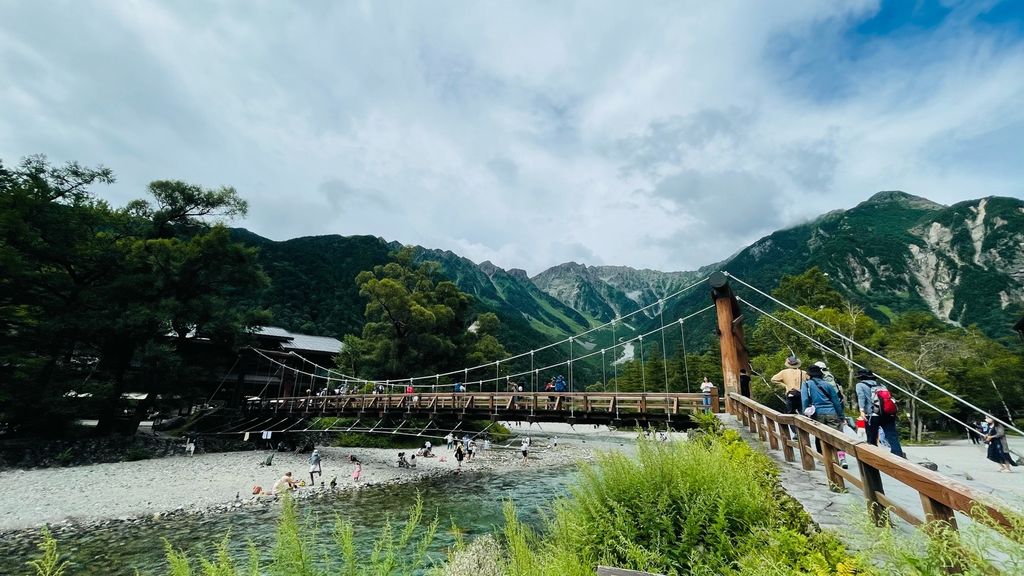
(892, 253)
(897, 252)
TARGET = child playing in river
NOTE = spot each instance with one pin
(359, 467)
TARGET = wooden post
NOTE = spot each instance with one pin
(872, 480)
(804, 441)
(730, 334)
(787, 450)
(835, 481)
(937, 511)
(773, 441)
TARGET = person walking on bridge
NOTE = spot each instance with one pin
(878, 410)
(819, 400)
(790, 378)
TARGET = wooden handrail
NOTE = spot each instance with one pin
(940, 495)
(539, 405)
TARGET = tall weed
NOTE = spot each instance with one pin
(982, 547)
(49, 562)
(294, 551)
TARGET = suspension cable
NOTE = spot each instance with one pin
(545, 347)
(482, 382)
(880, 357)
(859, 365)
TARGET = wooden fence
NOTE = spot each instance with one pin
(940, 495)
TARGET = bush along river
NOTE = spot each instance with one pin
(472, 501)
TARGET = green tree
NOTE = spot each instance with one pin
(483, 344)
(416, 324)
(812, 289)
(90, 294)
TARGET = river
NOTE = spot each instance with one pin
(473, 501)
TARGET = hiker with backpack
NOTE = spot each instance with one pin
(879, 410)
(820, 401)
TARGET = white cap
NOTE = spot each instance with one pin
(821, 365)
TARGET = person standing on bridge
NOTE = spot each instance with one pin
(878, 410)
(819, 400)
(791, 378)
(744, 383)
(705, 388)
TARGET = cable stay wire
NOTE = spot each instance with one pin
(826, 348)
(569, 340)
(393, 383)
(880, 357)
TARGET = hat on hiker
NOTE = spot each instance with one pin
(814, 371)
(865, 374)
(792, 362)
(821, 365)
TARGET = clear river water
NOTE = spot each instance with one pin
(473, 501)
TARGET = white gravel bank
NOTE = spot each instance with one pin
(123, 490)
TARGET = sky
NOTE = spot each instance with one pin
(664, 135)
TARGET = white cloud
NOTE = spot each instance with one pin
(523, 133)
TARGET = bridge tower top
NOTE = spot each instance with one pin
(732, 345)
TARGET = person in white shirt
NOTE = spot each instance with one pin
(706, 387)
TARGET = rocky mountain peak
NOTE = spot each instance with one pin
(901, 198)
(489, 268)
(519, 274)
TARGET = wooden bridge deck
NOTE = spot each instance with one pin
(622, 409)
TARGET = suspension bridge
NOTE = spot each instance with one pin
(431, 405)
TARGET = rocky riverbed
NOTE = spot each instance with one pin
(133, 491)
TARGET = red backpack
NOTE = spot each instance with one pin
(883, 401)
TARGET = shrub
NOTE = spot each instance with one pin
(136, 453)
(711, 506)
(65, 457)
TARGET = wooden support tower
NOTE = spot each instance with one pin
(730, 334)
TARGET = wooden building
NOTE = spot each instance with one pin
(281, 363)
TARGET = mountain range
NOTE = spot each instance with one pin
(892, 253)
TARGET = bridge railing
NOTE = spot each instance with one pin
(492, 402)
(940, 496)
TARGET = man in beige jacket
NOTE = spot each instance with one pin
(790, 378)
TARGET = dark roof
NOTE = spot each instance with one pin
(301, 342)
(274, 332)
